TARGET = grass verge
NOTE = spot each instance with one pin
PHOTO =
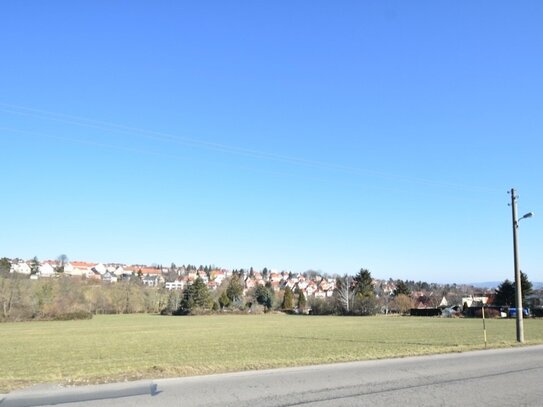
(127, 347)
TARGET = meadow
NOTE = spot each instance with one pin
(127, 347)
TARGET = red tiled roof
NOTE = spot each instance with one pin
(149, 270)
(82, 264)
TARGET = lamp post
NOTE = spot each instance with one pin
(518, 279)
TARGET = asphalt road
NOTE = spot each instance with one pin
(509, 377)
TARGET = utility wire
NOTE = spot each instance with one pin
(182, 140)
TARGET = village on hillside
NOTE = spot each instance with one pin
(448, 298)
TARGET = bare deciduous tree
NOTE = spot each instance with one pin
(344, 293)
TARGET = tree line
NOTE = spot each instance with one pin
(353, 295)
(65, 297)
(68, 298)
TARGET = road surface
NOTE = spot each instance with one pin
(508, 377)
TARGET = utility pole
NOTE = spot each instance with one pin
(518, 287)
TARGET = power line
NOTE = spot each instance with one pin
(188, 141)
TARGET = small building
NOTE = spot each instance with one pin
(100, 268)
(109, 277)
(151, 281)
(474, 300)
(46, 270)
(175, 285)
(21, 268)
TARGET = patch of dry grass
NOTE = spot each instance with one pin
(119, 347)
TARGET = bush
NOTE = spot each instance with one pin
(425, 312)
(320, 306)
(489, 313)
(364, 305)
(401, 304)
(67, 316)
(475, 312)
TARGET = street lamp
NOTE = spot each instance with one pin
(528, 215)
(518, 280)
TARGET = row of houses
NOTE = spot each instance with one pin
(319, 287)
(311, 285)
(178, 279)
(47, 269)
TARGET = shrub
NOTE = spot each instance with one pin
(67, 316)
(364, 305)
(322, 307)
(489, 313)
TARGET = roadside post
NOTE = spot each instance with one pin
(518, 279)
(484, 323)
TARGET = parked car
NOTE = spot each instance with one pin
(513, 312)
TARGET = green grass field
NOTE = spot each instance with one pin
(119, 347)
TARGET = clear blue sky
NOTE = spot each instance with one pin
(326, 135)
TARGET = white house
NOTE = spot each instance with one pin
(74, 271)
(100, 268)
(444, 302)
(302, 285)
(218, 276)
(79, 268)
(119, 271)
(152, 281)
(175, 285)
(68, 269)
(109, 277)
(46, 270)
(21, 268)
(478, 299)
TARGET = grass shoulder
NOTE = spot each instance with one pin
(126, 347)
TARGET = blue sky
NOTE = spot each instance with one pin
(293, 135)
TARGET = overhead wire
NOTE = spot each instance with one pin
(189, 141)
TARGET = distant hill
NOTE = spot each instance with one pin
(487, 284)
(494, 284)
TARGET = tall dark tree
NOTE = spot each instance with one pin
(234, 291)
(506, 291)
(525, 285)
(363, 284)
(264, 296)
(224, 301)
(287, 299)
(401, 289)
(196, 295)
(364, 301)
(301, 300)
(200, 293)
(505, 294)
